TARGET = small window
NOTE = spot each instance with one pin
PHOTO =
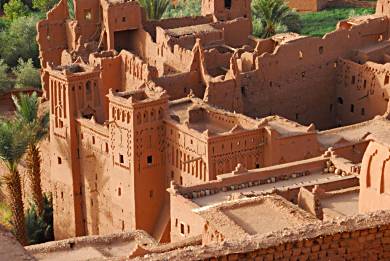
(121, 159)
(365, 84)
(119, 192)
(188, 229)
(257, 166)
(172, 174)
(321, 49)
(88, 14)
(353, 80)
(181, 180)
(182, 229)
(176, 222)
(340, 100)
(106, 147)
(151, 194)
(93, 139)
(149, 160)
(352, 108)
(59, 160)
(123, 19)
(300, 55)
(296, 116)
(363, 112)
(387, 79)
(243, 90)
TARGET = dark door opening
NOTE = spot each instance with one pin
(123, 40)
(228, 4)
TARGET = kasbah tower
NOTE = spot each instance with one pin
(108, 145)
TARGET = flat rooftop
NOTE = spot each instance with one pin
(242, 216)
(378, 129)
(192, 29)
(225, 122)
(310, 180)
(343, 203)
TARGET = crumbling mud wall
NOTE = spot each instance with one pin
(359, 237)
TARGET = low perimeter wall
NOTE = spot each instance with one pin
(361, 237)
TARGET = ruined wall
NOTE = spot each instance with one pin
(179, 85)
(359, 237)
(52, 36)
(135, 72)
(305, 70)
(362, 91)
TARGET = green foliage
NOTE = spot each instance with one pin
(320, 23)
(71, 9)
(19, 40)
(14, 140)
(27, 112)
(44, 5)
(274, 16)
(40, 228)
(184, 8)
(5, 215)
(15, 9)
(5, 83)
(26, 74)
(155, 9)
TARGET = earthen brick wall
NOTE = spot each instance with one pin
(362, 237)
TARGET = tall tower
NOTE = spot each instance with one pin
(223, 10)
(137, 144)
(71, 89)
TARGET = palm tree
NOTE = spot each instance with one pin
(13, 144)
(37, 126)
(274, 16)
(155, 9)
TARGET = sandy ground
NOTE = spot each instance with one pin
(89, 252)
(346, 204)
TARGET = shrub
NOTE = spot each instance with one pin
(26, 74)
(274, 16)
(184, 8)
(44, 5)
(19, 41)
(15, 9)
(5, 83)
(40, 228)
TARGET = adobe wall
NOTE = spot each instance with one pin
(374, 182)
(288, 76)
(184, 222)
(279, 148)
(256, 177)
(353, 238)
(307, 5)
(361, 91)
(98, 208)
(183, 146)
